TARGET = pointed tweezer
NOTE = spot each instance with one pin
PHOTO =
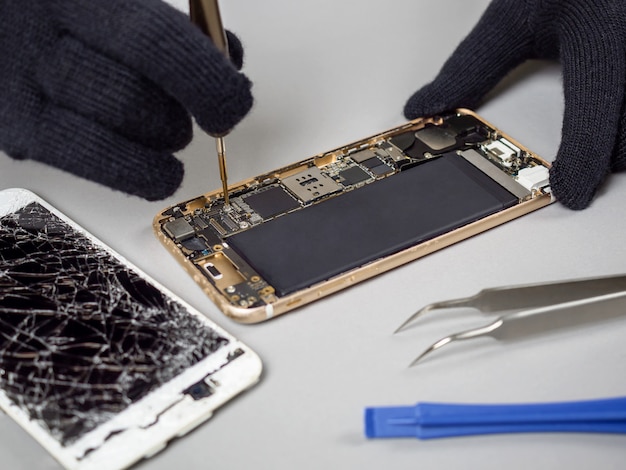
(500, 299)
(542, 320)
(574, 303)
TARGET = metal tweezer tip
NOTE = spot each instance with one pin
(413, 317)
(464, 302)
(442, 342)
(487, 330)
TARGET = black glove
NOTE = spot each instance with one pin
(103, 89)
(589, 39)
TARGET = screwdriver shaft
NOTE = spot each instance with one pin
(220, 145)
(206, 15)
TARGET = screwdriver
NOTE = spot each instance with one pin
(206, 15)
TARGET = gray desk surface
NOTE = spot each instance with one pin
(327, 73)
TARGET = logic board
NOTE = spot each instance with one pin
(312, 228)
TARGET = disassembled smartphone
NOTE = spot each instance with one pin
(299, 233)
(98, 362)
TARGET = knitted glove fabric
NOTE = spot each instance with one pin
(589, 39)
(105, 89)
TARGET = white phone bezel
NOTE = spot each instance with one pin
(160, 416)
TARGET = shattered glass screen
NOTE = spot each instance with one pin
(81, 336)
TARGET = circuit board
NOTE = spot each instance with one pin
(336, 214)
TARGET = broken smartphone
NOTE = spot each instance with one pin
(299, 233)
(98, 362)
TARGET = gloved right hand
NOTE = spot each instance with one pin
(589, 38)
(105, 90)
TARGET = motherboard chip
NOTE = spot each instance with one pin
(179, 229)
(381, 170)
(437, 137)
(372, 162)
(271, 202)
(353, 176)
(377, 167)
(362, 155)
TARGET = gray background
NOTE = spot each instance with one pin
(327, 73)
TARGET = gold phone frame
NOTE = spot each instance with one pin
(275, 305)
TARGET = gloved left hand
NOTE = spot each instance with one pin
(104, 89)
(589, 38)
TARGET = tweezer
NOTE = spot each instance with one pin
(536, 308)
(433, 420)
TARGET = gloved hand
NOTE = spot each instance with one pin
(589, 39)
(104, 89)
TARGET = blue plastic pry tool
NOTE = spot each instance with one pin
(433, 420)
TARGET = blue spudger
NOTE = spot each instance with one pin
(431, 420)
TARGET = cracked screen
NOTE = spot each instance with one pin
(81, 336)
